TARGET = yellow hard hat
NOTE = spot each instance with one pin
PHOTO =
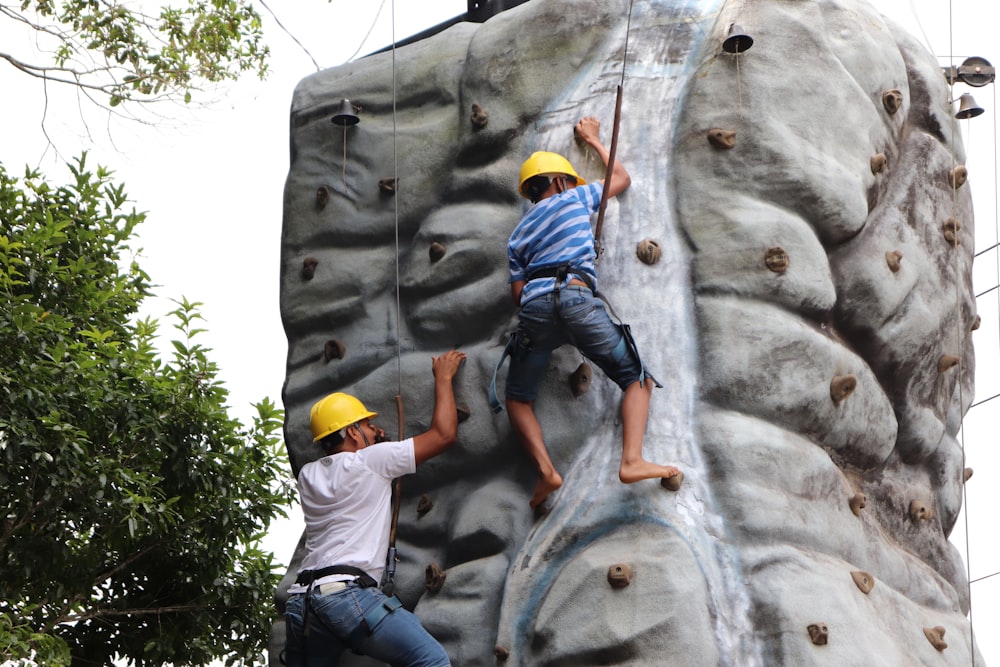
(544, 163)
(335, 411)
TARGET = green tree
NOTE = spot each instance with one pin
(133, 504)
(121, 52)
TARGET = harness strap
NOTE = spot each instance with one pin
(508, 349)
(307, 577)
(373, 617)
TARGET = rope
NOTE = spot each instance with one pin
(598, 247)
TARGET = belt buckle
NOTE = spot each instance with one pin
(332, 587)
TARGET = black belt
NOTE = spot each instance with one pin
(307, 577)
(560, 273)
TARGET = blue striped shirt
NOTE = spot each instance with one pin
(555, 232)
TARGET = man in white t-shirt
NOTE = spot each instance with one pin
(335, 603)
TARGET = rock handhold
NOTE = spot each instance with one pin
(436, 251)
(879, 162)
(920, 511)
(434, 578)
(619, 575)
(648, 251)
(976, 323)
(501, 653)
(951, 227)
(858, 502)
(958, 176)
(935, 636)
(776, 259)
(309, 268)
(464, 412)
(819, 633)
(892, 100)
(894, 259)
(967, 474)
(720, 138)
(333, 349)
(424, 505)
(581, 379)
(947, 362)
(480, 118)
(322, 196)
(842, 386)
(672, 483)
(864, 581)
(388, 185)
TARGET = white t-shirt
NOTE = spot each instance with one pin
(346, 501)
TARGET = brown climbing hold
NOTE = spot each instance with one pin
(722, 138)
(479, 117)
(424, 505)
(436, 251)
(864, 581)
(958, 176)
(322, 196)
(464, 412)
(894, 259)
(388, 184)
(672, 483)
(920, 511)
(947, 362)
(842, 386)
(879, 162)
(619, 575)
(976, 323)
(309, 268)
(858, 502)
(819, 633)
(333, 349)
(581, 379)
(648, 251)
(434, 578)
(967, 474)
(501, 653)
(935, 636)
(951, 228)
(776, 259)
(892, 100)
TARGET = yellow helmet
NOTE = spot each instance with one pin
(544, 163)
(335, 411)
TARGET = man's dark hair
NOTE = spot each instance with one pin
(332, 442)
(536, 186)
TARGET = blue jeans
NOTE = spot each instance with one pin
(398, 640)
(582, 321)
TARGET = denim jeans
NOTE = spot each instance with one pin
(398, 640)
(582, 321)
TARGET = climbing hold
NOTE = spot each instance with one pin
(619, 575)
(424, 505)
(958, 176)
(309, 268)
(858, 502)
(648, 251)
(672, 483)
(580, 379)
(434, 578)
(920, 511)
(894, 259)
(879, 162)
(333, 349)
(951, 228)
(388, 184)
(842, 386)
(864, 581)
(947, 362)
(464, 412)
(501, 653)
(322, 196)
(436, 251)
(480, 118)
(722, 138)
(776, 259)
(966, 474)
(892, 100)
(935, 636)
(976, 322)
(819, 633)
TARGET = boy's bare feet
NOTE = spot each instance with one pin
(630, 473)
(546, 485)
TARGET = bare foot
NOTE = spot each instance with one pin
(639, 470)
(546, 485)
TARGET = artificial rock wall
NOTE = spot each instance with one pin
(809, 315)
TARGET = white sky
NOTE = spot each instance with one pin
(211, 181)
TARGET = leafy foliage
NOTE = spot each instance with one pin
(132, 503)
(117, 49)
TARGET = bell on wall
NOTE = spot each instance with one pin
(967, 107)
(737, 41)
(346, 115)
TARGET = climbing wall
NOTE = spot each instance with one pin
(794, 257)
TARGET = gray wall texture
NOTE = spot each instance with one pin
(810, 317)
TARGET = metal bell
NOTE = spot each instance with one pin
(967, 107)
(346, 115)
(737, 41)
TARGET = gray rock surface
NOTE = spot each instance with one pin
(787, 392)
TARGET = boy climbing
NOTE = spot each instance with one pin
(553, 280)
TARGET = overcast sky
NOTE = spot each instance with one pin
(211, 180)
